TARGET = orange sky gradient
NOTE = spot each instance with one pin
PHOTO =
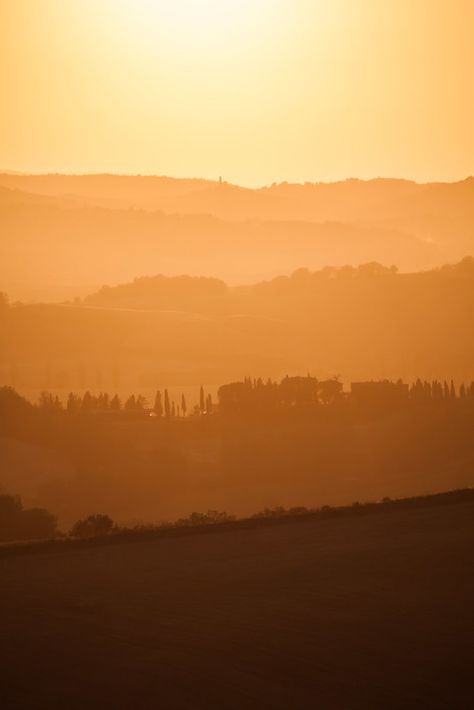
(254, 90)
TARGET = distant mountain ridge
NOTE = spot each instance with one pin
(340, 201)
(364, 323)
(81, 231)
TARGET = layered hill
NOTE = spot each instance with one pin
(65, 235)
(347, 201)
(362, 323)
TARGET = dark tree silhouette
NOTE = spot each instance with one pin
(73, 403)
(49, 403)
(17, 523)
(92, 526)
(131, 403)
(115, 404)
(158, 406)
(87, 402)
(140, 402)
(3, 301)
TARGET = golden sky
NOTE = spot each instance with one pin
(254, 90)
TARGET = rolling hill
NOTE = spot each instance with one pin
(81, 231)
(353, 613)
(369, 322)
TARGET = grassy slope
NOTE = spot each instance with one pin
(371, 612)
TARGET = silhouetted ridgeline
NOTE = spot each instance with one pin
(219, 522)
(93, 228)
(366, 323)
(306, 394)
(300, 441)
(298, 394)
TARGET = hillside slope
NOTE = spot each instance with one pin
(73, 248)
(357, 613)
(360, 323)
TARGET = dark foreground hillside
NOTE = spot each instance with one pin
(361, 612)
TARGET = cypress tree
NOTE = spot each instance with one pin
(130, 404)
(140, 402)
(158, 406)
(115, 404)
(73, 403)
(87, 401)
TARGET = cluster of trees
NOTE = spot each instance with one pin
(212, 517)
(163, 406)
(18, 523)
(296, 440)
(429, 391)
(258, 394)
(102, 402)
(98, 526)
(13, 405)
(255, 395)
(95, 525)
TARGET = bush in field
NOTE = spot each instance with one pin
(210, 518)
(19, 524)
(281, 512)
(92, 526)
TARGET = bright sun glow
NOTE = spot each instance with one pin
(198, 24)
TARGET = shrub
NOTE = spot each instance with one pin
(92, 526)
(210, 518)
(19, 524)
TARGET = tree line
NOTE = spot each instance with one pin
(256, 394)
(163, 405)
(309, 392)
(43, 526)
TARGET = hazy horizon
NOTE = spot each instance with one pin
(246, 186)
(236, 354)
(120, 227)
(257, 92)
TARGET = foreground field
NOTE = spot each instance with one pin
(372, 612)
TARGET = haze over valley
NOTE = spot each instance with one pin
(83, 231)
(236, 354)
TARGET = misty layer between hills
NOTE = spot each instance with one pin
(63, 236)
(361, 323)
